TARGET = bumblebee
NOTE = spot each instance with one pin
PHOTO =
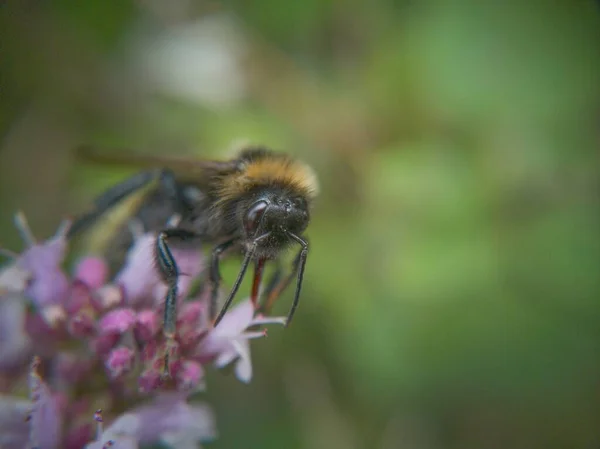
(256, 204)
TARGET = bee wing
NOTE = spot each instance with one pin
(185, 166)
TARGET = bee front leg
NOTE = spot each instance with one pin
(169, 271)
(240, 277)
(278, 284)
(215, 275)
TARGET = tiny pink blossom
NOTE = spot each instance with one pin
(117, 321)
(147, 325)
(119, 361)
(92, 271)
(190, 376)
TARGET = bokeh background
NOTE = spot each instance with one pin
(452, 291)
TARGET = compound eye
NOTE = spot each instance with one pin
(254, 215)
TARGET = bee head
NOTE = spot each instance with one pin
(277, 212)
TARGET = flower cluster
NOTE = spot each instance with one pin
(97, 343)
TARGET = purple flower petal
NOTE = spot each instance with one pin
(235, 320)
(14, 428)
(139, 276)
(229, 340)
(45, 419)
(170, 417)
(48, 284)
(121, 434)
(15, 344)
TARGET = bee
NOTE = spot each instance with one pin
(257, 204)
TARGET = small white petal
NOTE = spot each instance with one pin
(243, 367)
(226, 357)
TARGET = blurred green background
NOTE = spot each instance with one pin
(451, 297)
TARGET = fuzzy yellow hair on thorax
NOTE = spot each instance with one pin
(269, 170)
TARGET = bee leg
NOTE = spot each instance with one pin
(274, 281)
(169, 271)
(301, 264)
(278, 284)
(247, 258)
(215, 275)
(259, 268)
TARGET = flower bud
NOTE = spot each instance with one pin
(119, 361)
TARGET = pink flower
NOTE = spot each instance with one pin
(119, 362)
(147, 325)
(117, 321)
(92, 271)
(229, 340)
(101, 342)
